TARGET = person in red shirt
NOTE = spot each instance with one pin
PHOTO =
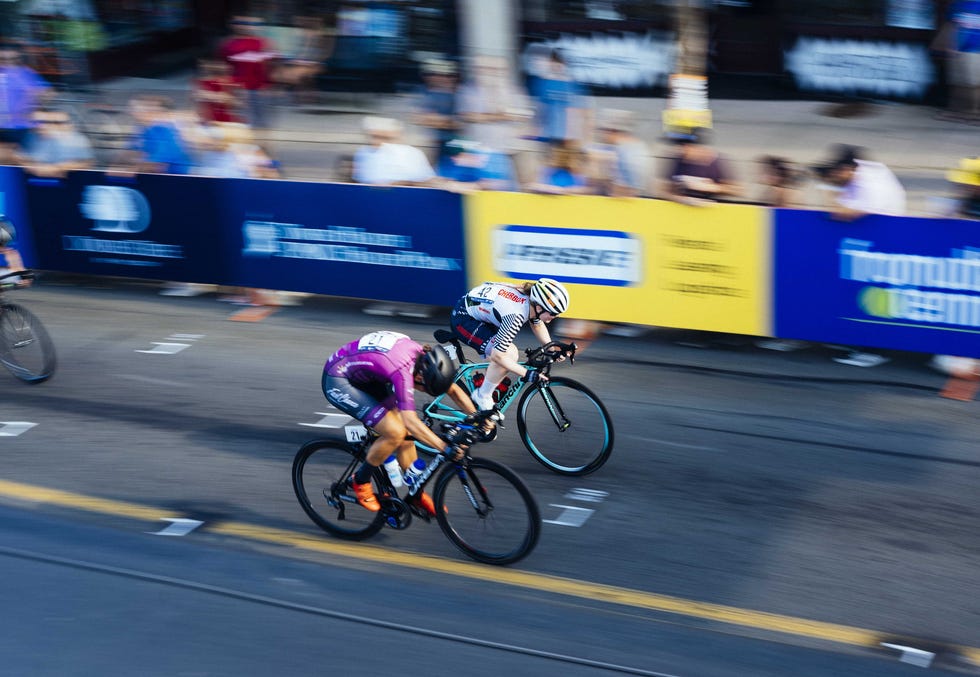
(250, 57)
(216, 92)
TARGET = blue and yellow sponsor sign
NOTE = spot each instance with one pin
(631, 260)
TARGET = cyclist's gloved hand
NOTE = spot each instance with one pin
(534, 375)
(454, 452)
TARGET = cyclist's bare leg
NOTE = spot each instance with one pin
(406, 454)
(497, 369)
(391, 436)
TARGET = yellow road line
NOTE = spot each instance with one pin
(27, 492)
(747, 618)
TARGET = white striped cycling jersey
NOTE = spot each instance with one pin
(501, 305)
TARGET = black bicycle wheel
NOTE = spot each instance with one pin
(26, 350)
(487, 512)
(565, 427)
(320, 472)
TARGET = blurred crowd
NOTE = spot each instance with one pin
(480, 126)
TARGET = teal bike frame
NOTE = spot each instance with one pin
(443, 410)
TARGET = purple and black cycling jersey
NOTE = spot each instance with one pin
(357, 377)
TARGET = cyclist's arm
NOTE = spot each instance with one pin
(421, 432)
(508, 362)
(12, 258)
(461, 399)
(501, 354)
(540, 331)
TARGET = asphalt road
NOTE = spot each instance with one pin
(747, 524)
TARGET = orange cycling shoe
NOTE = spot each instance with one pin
(424, 502)
(365, 496)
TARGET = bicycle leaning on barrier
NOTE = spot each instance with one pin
(26, 349)
(482, 506)
(564, 425)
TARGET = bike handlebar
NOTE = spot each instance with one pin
(470, 430)
(550, 353)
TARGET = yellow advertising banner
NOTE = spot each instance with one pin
(632, 260)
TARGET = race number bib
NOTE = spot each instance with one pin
(380, 341)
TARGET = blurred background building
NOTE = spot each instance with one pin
(750, 47)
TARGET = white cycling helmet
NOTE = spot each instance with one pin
(550, 295)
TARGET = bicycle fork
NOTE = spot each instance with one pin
(554, 408)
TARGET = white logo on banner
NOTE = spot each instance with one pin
(337, 243)
(116, 209)
(616, 61)
(588, 256)
(882, 68)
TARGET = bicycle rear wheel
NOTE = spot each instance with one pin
(565, 427)
(487, 512)
(26, 350)
(320, 472)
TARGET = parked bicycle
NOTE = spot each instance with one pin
(26, 349)
(564, 425)
(482, 506)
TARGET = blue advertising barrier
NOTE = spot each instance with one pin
(13, 207)
(890, 282)
(148, 226)
(394, 244)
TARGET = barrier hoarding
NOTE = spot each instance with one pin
(889, 282)
(147, 226)
(393, 244)
(630, 260)
(342, 240)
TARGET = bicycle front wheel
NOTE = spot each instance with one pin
(26, 350)
(320, 472)
(486, 511)
(565, 427)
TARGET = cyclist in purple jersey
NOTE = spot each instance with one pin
(488, 318)
(373, 380)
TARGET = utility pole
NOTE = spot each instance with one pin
(489, 28)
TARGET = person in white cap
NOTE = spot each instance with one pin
(386, 161)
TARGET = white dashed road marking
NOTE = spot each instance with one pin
(14, 428)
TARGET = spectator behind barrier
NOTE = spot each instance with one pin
(157, 146)
(697, 175)
(780, 182)
(856, 186)
(966, 178)
(55, 147)
(469, 166)
(438, 103)
(250, 56)
(564, 172)
(619, 161)
(385, 161)
(21, 91)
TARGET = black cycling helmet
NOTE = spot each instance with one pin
(436, 368)
(7, 232)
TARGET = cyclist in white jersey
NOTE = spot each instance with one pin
(489, 317)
